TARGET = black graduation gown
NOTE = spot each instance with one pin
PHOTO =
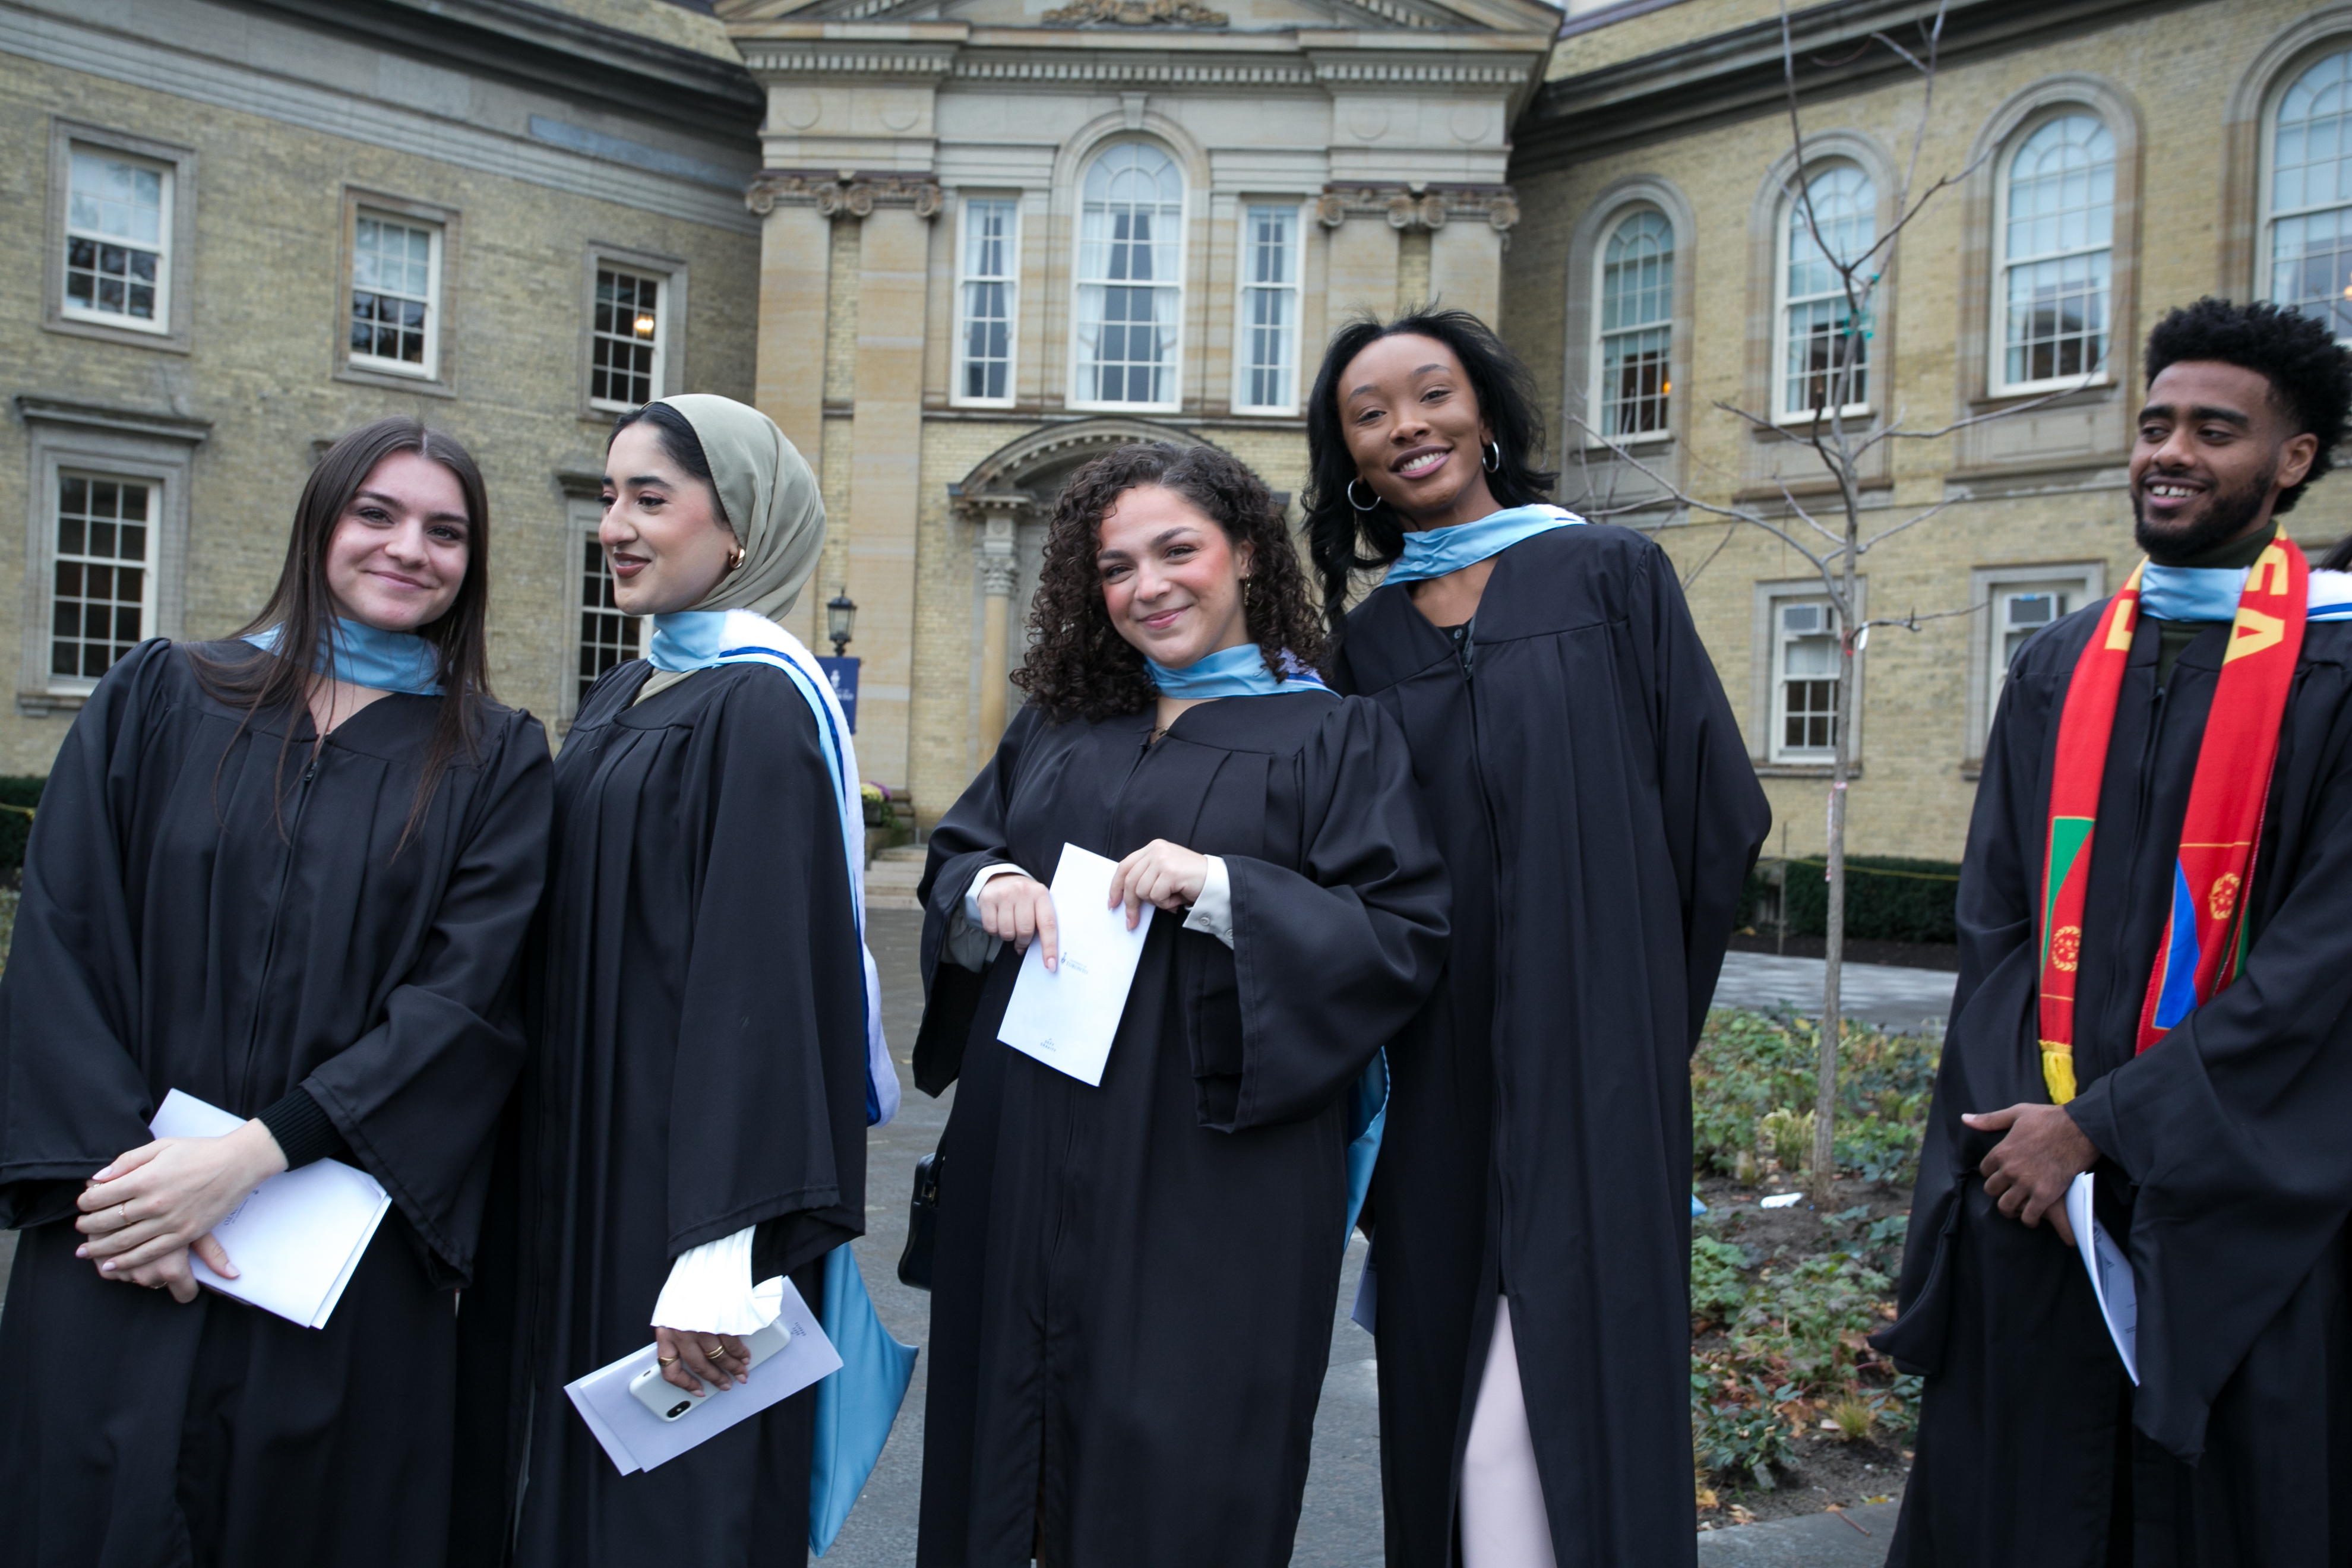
(698, 1020)
(2227, 1163)
(1599, 815)
(193, 918)
(1133, 1284)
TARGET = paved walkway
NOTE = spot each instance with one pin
(1880, 994)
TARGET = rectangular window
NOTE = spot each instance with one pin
(627, 339)
(1804, 682)
(395, 295)
(102, 577)
(118, 229)
(985, 300)
(1130, 291)
(607, 637)
(1268, 360)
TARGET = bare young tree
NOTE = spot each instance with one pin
(1831, 538)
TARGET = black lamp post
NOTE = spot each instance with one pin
(840, 619)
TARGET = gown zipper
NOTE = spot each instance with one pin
(277, 908)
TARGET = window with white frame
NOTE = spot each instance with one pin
(118, 238)
(2019, 610)
(1266, 367)
(1805, 680)
(2308, 220)
(987, 296)
(1824, 354)
(2056, 226)
(607, 636)
(1636, 317)
(395, 295)
(626, 337)
(1130, 291)
(102, 572)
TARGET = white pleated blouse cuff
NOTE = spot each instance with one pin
(709, 1290)
(1213, 912)
(968, 942)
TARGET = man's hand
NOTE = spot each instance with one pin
(2029, 1171)
(686, 1358)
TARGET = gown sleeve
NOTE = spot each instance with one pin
(72, 1096)
(1715, 813)
(767, 1119)
(417, 1098)
(969, 839)
(1330, 960)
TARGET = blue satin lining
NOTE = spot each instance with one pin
(367, 656)
(1234, 672)
(1434, 551)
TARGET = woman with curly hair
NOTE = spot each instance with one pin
(1133, 1283)
(1530, 1220)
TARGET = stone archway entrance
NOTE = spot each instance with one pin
(1008, 499)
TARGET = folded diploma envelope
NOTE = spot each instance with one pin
(1067, 1017)
(635, 1438)
(297, 1239)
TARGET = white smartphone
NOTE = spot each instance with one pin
(668, 1402)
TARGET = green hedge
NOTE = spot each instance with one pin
(16, 824)
(1914, 903)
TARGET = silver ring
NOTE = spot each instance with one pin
(1358, 506)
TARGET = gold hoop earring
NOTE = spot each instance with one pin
(735, 561)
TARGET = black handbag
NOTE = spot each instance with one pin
(922, 1223)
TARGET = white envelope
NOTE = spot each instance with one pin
(635, 1438)
(2112, 1280)
(297, 1239)
(1067, 1017)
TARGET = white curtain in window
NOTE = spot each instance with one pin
(1821, 359)
(2310, 196)
(2056, 244)
(988, 284)
(1637, 307)
(1269, 307)
(1130, 292)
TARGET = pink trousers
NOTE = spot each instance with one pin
(1503, 1521)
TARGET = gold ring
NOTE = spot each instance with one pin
(667, 1360)
(715, 1352)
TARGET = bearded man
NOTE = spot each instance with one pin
(2156, 987)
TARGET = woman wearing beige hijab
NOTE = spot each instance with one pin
(694, 1129)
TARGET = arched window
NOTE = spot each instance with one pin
(1130, 278)
(1637, 310)
(2310, 195)
(2057, 236)
(1823, 353)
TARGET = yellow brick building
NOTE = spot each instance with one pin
(2110, 160)
(242, 230)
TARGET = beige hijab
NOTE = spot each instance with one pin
(770, 500)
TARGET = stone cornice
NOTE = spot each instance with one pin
(157, 423)
(549, 49)
(842, 194)
(1429, 206)
(1737, 74)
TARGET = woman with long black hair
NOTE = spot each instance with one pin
(290, 874)
(1131, 1304)
(1599, 815)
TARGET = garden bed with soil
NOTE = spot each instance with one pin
(1791, 1411)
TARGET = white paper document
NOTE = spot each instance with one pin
(1066, 1016)
(635, 1438)
(2110, 1271)
(297, 1239)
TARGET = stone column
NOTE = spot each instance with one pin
(886, 424)
(997, 571)
(795, 239)
(1470, 229)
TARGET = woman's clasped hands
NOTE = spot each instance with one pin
(146, 1211)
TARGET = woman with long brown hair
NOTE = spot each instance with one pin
(1134, 1279)
(288, 875)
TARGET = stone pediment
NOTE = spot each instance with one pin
(1174, 17)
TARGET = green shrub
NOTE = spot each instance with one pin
(1749, 1067)
(14, 825)
(1718, 1280)
(1914, 906)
